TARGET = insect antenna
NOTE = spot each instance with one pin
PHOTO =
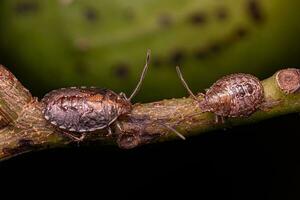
(184, 83)
(138, 86)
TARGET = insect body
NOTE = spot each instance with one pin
(235, 95)
(82, 110)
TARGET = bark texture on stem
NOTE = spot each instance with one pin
(23, 127)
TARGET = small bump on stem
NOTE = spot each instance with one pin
(288, 80)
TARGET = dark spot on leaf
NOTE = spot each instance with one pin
(121, 70)
(157, 62)
(26, 7)
(91, 14)
(236, 35)
(129, 13)
(177, 56)
(208, 50)
(165, 20)
(201, 52)
(222, 14)
(255, 11)
(241, 32)
(215, 47)
(197, 18)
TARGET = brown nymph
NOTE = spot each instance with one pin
(235, 95)
(80, 110)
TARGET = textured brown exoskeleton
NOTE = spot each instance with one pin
(235, 95)
(82, 110)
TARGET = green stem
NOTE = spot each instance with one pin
(25, 129)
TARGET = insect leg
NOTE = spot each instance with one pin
(75, 138)
(174, 131)
(122, 94)
(222, 119)
(219, 119)
(119, 126)
(109, 132)
(216, 119)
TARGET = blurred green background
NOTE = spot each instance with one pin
(58, 43)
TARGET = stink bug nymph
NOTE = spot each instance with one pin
(81, 110)
(235, 95)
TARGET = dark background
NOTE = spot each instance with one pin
(258, 161)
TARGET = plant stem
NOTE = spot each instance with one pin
(24, 129)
